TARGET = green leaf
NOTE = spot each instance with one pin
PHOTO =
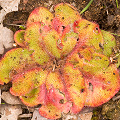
(109, 43)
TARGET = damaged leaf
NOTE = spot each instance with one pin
(25, 82)
(35, 97)
(40, 14)
(102, 86)
(33, 40)
(66, 13)
(75, 87)
(13, 62)
(89, 33)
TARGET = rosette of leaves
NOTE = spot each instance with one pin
(62, 63)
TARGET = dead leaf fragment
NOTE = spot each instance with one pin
(12, 99)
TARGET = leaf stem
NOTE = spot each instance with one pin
(117, 3)
(86, 7)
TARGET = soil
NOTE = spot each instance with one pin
(104, 12)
